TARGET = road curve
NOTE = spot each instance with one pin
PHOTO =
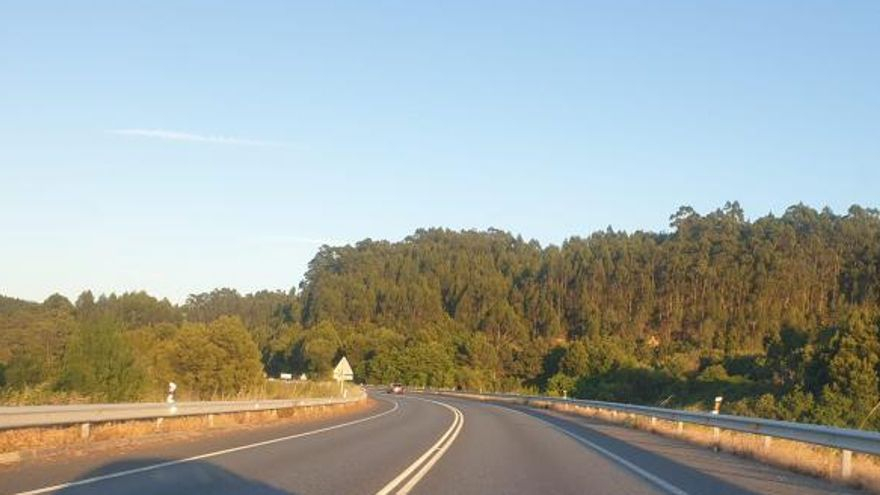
(520, 450)
(419, 445)
(354, 454)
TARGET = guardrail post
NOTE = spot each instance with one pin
(845, 441)
(159, 422)
(653, 422)
(85, 430)
(210, 421)
(845, 463)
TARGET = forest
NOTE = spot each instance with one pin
(780, 315)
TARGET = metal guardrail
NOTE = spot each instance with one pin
(845, 439)
(37, 416)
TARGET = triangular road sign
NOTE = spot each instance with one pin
(343, 370)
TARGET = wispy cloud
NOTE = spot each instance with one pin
(190, 137)
(293, 239)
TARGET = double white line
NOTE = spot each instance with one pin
(427, 460)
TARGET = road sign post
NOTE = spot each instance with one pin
(343, 373)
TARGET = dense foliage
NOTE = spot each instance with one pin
(120, 348)
(779, 315)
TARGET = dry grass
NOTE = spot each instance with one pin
(813, 460)
(44, 394)
(269, 389)
(12, 440)
(294, 389)
(27, 439)
(40, 395)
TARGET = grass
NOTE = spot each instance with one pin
(296, 390)
(44, 394)
(70, 436)
(40, 395)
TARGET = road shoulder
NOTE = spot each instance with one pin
(688, 466)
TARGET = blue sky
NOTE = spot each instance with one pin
(181, 146)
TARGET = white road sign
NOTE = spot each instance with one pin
(343, 370)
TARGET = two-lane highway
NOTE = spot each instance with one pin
(415, 444)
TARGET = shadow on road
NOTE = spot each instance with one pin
(187, 478)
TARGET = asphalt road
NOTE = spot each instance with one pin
(417, 444)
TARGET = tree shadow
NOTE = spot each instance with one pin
(143, 476)
(648, 386)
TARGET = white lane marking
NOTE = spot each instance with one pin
(428, 465)
(660, 482)
(665, 485)
(161, 465)
(430, 457)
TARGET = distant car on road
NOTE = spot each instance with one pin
(395, 388)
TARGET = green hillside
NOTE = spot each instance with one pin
(778, 314)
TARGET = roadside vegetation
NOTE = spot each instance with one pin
(89, 353)
(779, 315)
(23, 443)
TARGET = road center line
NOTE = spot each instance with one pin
(153, 467)
(430, 457)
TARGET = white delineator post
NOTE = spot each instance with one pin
(845, 463)
(716, 432)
